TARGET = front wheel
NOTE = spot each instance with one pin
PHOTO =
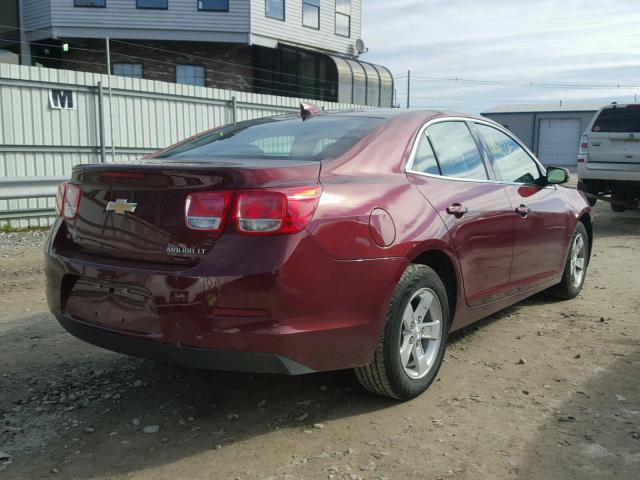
(575, 269)
(414, 338)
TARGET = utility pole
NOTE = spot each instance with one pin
(409, 89)
(113, 147)
(103, 153)
(25, 46)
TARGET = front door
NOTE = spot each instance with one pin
(450, 171)
(541, 222)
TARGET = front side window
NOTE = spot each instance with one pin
(133, 70)
(190, 75)
(618, 120)
(153, 4)
(343, 18)
(89, 3)
(214, 5)
(510, 162)
(424, 160)
(274, 9)
(457, 151)
(284, 138)
(311, 13)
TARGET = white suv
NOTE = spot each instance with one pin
(609, 157)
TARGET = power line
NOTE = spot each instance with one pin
(309, 89)
(523, 83)
(172, 76)
(401, 76)
(223, 62)
(164, 50)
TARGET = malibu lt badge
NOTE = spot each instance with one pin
(177, 250)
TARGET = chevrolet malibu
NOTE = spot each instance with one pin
(314, 242)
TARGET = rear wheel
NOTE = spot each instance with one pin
(575, 269)
(617, 204)
(414, 338)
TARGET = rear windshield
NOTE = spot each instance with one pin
(618, 120)
(284, 138)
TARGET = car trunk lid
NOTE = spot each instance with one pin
(137, 211)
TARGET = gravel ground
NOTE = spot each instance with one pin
(20, 241)
(542, 390)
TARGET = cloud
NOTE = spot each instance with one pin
(550, 41)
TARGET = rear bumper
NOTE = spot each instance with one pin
(180, 355)
(283, 305)
(620, 172)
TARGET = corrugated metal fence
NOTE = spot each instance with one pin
(52, 119)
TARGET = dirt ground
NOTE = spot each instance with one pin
(569, 410)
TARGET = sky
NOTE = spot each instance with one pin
(583, 47)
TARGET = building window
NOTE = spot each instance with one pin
(274, 9)
(133, 70)
(311, 13)
(190, 75)
(90, 3)
(213, 5)
(153, 4)
(343, 18)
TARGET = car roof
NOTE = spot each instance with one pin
(389, 113)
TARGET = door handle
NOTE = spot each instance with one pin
(457, 210)
(523, 210)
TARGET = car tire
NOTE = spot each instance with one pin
(616, 207)
(407, 359)
(571, 283)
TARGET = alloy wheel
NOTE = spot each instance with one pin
(578, 260)
(421, 333)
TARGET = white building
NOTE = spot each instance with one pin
(551, 131)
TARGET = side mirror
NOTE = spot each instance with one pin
(557, 175)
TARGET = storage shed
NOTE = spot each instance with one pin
(551, 131)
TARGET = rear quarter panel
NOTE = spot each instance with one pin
(370, 180)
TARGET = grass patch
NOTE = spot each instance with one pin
(10, 229)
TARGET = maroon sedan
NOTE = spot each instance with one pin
(314, 242)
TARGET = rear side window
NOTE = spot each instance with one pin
(457, 151)
(425, 160)
(510, 161)
(284, 138)
(618, 120)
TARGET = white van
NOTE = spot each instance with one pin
(609, 157)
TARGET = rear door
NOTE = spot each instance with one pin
(615, 135)
(540, 215)
(450, 171)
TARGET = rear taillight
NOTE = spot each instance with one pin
(583, 153)
(60, 197)
(255, 212)
(68, 200)
(260, 212)
(275, 212)
(207, 211)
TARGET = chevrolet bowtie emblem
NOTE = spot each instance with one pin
(121, 206)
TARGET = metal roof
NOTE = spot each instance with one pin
(546, 107)
(363, 83)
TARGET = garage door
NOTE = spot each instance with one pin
(559, 141)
